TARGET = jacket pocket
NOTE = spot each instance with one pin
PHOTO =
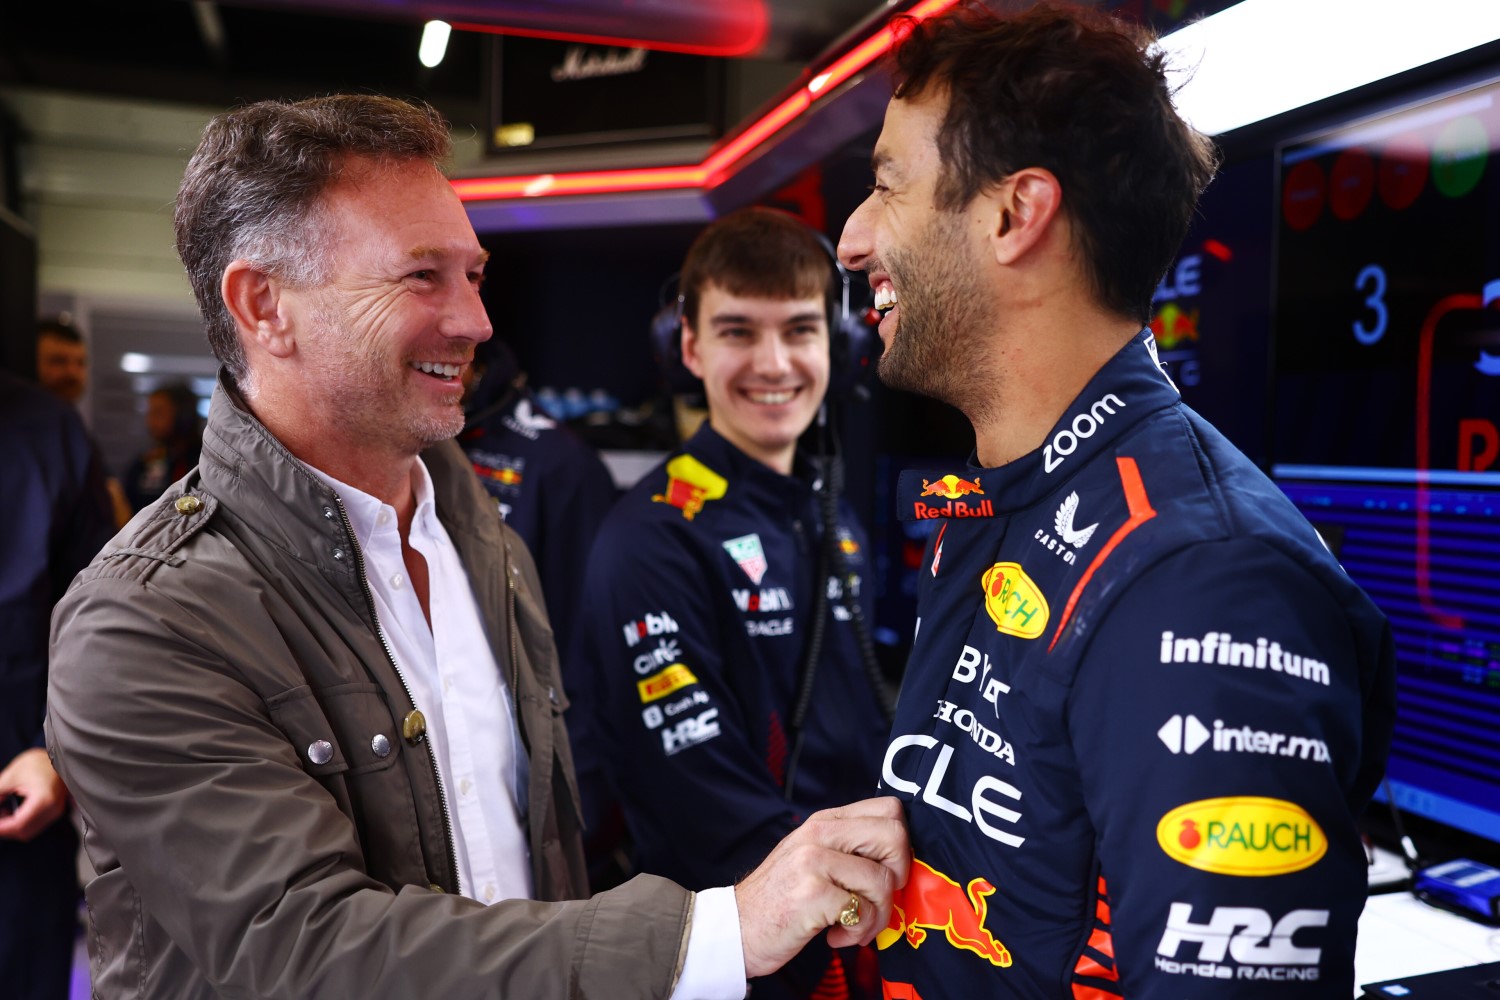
(346, 727)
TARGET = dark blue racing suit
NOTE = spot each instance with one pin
(1142, 713)
(699, 598)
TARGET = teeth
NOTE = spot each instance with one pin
(434, 368)
(885, 297)
(771, 398)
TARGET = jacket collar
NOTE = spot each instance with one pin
(254, 475)
(1130, 387)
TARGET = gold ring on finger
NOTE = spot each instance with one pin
(849, 915)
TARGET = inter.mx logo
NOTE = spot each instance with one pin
(1258, 947)
(1186, 735)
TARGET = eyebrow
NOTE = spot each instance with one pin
(737, 319)
(441, 253)
(881, 160)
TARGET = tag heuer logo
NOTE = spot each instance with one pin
(746, 551)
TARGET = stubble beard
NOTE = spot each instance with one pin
(371, 396)
(934, 350)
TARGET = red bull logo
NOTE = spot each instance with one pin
(951, 487)
(506, 475)
(690, 485)
(931, 901)
(1172, 326)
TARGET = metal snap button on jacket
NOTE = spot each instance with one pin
(414, 727)
(320, 751)
(380, 746)
(188, 504)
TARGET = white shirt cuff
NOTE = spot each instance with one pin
(714, 968)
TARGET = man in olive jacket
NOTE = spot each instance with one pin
(308, 702)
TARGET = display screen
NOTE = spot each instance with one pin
(1386, 407)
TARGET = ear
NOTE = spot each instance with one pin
(254, 299)
(1024, 208)
(690, 359)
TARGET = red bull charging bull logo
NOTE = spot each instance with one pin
(933, 901)
(690, 485)
(951, 487)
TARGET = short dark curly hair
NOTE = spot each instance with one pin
(1079, 93)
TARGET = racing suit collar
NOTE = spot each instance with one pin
(1130, 387)
(715, 451)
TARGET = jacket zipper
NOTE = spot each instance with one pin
(510, 622)
(364, 583)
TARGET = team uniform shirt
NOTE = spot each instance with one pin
(550, 487)
(1143, 710)
(699, 602)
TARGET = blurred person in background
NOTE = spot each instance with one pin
(57, 516)
(62, 360)
(177, 437)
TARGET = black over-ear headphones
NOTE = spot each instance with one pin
(853, 345)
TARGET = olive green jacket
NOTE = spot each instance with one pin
(199, 665)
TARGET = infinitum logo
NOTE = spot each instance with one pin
(1221, 648)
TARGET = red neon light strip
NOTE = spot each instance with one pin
(717, 164)
(751, 42)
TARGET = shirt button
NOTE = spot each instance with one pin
(465, 786)
(397, 580)
(383, 519)
(489, 893)
(447, 684)
(414, 727)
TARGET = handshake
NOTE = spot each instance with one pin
(839, 869)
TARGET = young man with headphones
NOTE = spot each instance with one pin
(702, 593)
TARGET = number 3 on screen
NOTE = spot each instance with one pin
(1373, 276)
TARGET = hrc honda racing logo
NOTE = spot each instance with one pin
(1240, 942)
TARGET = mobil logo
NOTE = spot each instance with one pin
(1013, 600)
(931, 901)
(1083, 427)
(1242, 835)
(650, 625)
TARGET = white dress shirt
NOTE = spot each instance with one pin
(482, 766)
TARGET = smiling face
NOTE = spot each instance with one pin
(764, 366)
(926, 265)
(381, 347)
(61, 366)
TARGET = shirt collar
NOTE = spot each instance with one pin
(369, 515)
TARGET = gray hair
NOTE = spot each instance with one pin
(252, 190)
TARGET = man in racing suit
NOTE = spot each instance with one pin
(1145, 706)
(702, 591)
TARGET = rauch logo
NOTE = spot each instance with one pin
(1242, 835)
